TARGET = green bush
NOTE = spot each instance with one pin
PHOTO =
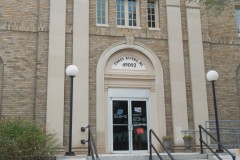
(187, 137)
(25, 140)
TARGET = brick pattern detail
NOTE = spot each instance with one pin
(19, 57)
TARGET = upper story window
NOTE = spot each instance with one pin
(152, 13)
(132, 13)
(237, 15)
(102, 12)
(128, 13)
(120, 12)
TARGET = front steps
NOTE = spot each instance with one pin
(224, 156)
(140, 156)
(71, 157)
(145, 156)
(176, 156)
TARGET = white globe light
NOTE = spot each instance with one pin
(212, 75)
(72, 70)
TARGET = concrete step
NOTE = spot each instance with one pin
(177, 156)
(71, 157)
(145, 156)
(224, 156)
(139, 156)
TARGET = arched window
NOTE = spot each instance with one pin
(1, 82)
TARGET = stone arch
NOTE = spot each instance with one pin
(1, 83)
(101, 100)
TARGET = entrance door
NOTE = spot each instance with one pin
(129, 125)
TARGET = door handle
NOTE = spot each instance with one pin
(130, 127)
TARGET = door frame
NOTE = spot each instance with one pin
(129, 99)
(153, 80)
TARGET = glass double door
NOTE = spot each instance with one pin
(129, 125)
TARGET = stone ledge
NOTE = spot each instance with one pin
(24, 27)
(71, 158)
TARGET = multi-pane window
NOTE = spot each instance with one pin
(127, 13)
(132, 13)
(237, 15)
(120, 12)
(151, 14)
(101, 12)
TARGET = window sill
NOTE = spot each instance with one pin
(155, 29)
(128, 27)
(102, 25)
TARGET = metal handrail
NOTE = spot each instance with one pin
(92, 149)
(211, 136)
(151, 132)
(228, 128)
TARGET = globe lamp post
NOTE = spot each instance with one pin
(212, 76)
(71, 72)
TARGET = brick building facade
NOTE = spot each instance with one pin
(40, 38)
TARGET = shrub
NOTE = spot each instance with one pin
(25, 140)
(187, 137)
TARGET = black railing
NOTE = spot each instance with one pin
(211, 136)
(151, 132)
(92, 149)
(230, 132)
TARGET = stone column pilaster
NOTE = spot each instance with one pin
(177, 72)
(56, 68)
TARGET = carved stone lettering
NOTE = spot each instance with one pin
(128, 63)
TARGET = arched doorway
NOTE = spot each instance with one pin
(130, 75)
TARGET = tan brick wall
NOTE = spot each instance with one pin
(68, 61)
(238, 85)
(224, 59)
(221, 53)
(188, 85)
(16, 12)
(24, 50)
(1, 82)
(41, 78)
(19, 74)
(42, 61)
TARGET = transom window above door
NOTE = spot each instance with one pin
(128, 13)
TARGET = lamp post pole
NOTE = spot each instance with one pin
(212, 76)
(71, 71)
(219, 150)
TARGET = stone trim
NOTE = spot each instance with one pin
(24, 27)
(158, 98)
(197, 68)
(56, 69)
